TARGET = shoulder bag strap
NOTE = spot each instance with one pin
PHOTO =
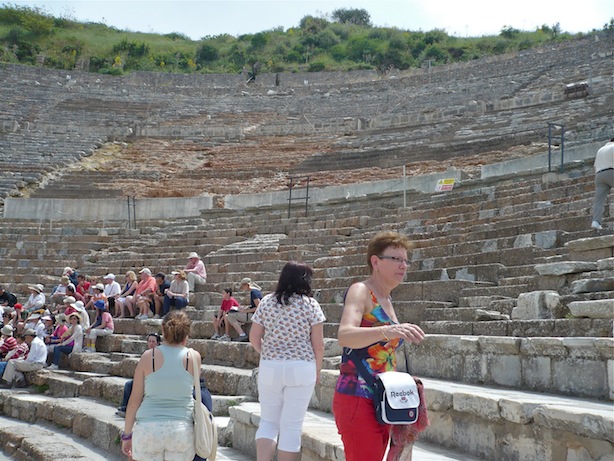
(361, 368)
(196, 374)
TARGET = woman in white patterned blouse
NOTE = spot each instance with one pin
(287, 330)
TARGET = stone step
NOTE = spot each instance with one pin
(88, 420)
(598, 328)
(498, 423)
(84, 417)
(43, 441)
(320, 440)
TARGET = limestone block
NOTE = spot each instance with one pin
(536, 372)
(483, 406)
(438, 400)
(591, 243)
(491, 328)
(606, 264)
(489, 246)
(332, 347)
(593, 285)
(547, 347)
(605, 346)
(593, 424)
(475, 436)
(596, 309)
(550, 282)
(482, 315)
(125, 367)
(581, 377)
(473, 371)
(522, 447)
(594, 451)
(536, 305)
(25, 407)
(584, 348)
(565, 267)
(504, 370)
(523, 241)
(547, 239)
(499, 345)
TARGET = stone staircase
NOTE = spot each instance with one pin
(340, 121)
(511, 287)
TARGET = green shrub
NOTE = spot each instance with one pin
(316, 66)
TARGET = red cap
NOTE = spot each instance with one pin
(18, 306)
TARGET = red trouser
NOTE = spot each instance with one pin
(364, 439)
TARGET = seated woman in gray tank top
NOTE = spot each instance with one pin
(159, 423)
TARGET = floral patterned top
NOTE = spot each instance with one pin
(377, 357)
(288, 327)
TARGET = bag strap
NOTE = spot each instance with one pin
(361, 368)
(196, 374)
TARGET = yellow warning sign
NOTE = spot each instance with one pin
(444, 185)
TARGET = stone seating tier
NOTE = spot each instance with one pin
(518, 411)
(68, 114)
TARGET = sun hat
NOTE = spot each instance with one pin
(39, 288)
(61, 318)
(99, 286)
(29, 332)
(46, 317)
(246, 281)
(100, 305)
(7, 330)
(193, 255)
(69, 300)
(35, 316)
(79, 306)
(73, 314)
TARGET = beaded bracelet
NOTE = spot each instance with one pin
(125, 436)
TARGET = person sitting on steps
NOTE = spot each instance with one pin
(34, 360)
(128, 290)
(71, 340)
(141, 297)
(229, 304)
(243, 315)
(102, 326)
(178, 294)
(158, 295)
(195, 269)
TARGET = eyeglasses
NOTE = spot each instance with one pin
(395, 259)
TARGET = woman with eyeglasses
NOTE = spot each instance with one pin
(370, 327)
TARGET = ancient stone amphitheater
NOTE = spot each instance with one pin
(514, 290)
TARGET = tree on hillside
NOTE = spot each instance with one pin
(359, 17)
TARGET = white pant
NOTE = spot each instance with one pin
(14, 369)
(95, 332)
(284, 392)
(195, 279)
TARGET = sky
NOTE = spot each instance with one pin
(200, 18)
